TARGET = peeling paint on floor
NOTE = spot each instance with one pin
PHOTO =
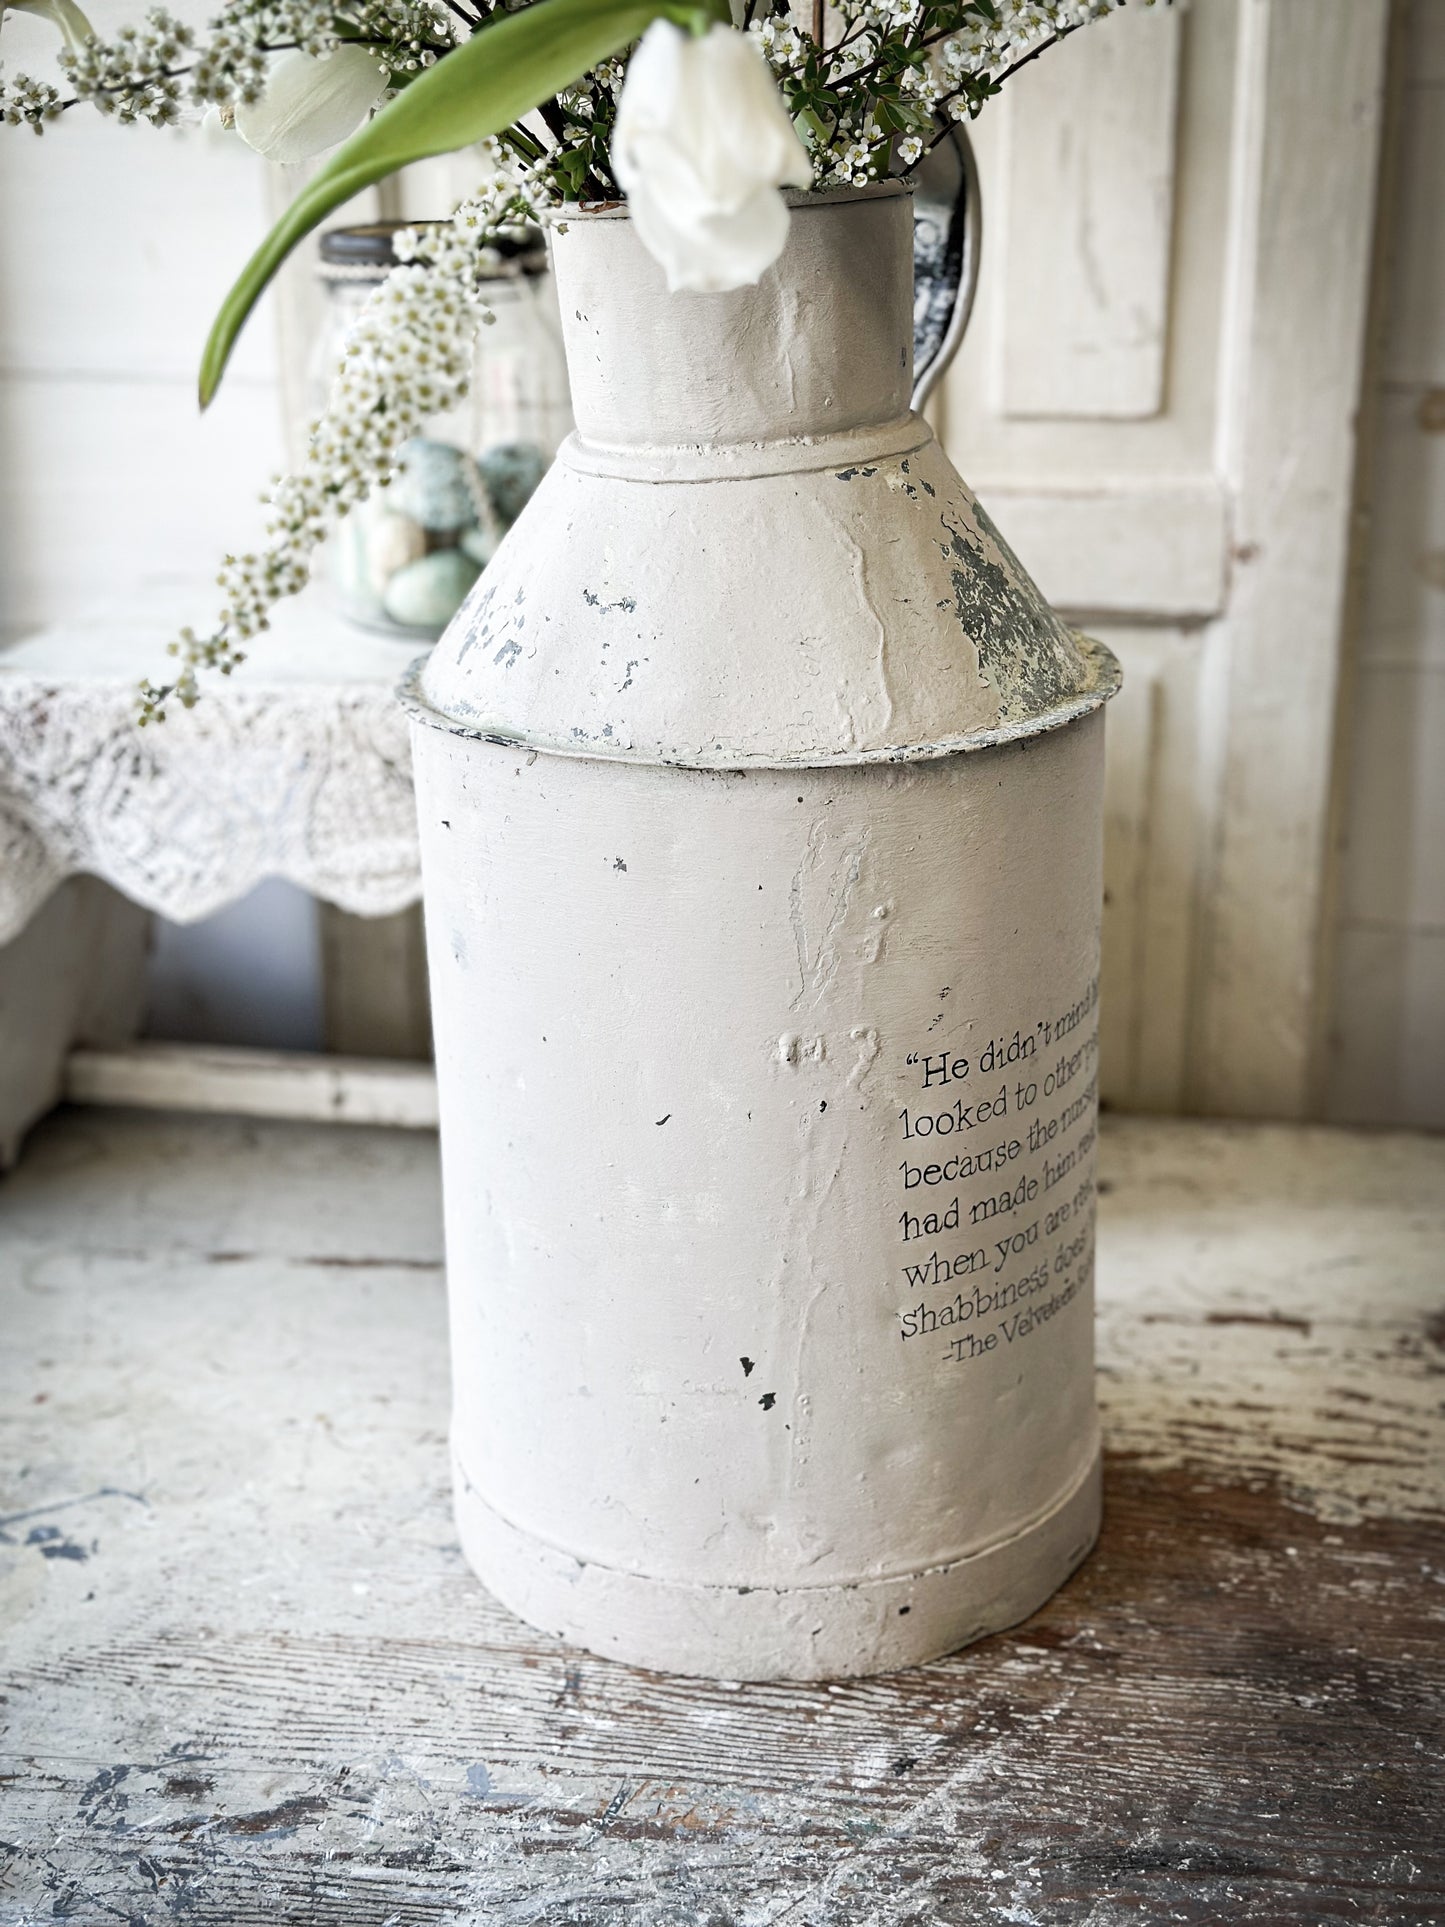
(272, 1692)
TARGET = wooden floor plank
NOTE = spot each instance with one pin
(248, 1679)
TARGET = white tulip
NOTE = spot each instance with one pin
(702, 145)
(310, 104)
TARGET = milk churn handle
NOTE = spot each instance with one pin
(947, 234)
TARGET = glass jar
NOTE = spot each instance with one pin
(404, 560)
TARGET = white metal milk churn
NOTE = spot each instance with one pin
(760, 803)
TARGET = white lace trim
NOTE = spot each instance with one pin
(299, 766)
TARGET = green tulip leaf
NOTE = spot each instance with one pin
(511, 65)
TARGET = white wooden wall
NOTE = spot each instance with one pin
(1387, 1034)
(1157, 403)
(116, 245)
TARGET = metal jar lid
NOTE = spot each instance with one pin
(366, 253)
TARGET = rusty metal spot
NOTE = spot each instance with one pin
(1023, 647)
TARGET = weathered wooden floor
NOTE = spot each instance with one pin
(249, 1681)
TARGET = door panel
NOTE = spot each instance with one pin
(1157, 403)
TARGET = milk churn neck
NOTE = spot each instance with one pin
(751, 554)
(821, 346)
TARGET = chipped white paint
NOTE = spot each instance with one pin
(1319, 1315)
(731, 948)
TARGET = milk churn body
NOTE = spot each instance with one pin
(760, 802)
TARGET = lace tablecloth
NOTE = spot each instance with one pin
(298, 766)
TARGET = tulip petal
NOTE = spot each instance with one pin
(311, 104)
(74, 27)
(511, 64)
(702, 144)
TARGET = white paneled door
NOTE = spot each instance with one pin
(1157, 401)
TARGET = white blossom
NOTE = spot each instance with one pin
(29, 103)
(133, 75)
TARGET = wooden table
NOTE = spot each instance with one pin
(250, 1680)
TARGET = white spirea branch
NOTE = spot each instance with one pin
(165, 69)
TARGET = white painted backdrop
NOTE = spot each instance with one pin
(1156, 400)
